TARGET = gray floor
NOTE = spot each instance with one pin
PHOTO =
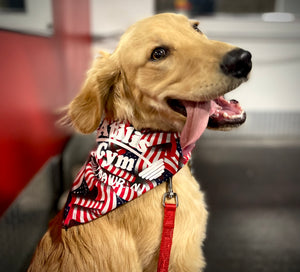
(252, 188)
(253, 194)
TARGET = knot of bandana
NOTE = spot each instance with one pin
(126, 164)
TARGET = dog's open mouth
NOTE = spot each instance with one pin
(223, 113)
(217, 114)
(226, 114)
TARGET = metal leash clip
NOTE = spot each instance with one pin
(170, 194)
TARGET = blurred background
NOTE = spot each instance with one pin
(250, 175)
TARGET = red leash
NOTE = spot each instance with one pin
(168, 228)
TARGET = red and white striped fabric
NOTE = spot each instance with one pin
(126, 164)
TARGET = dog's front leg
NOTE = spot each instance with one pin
(190, 224)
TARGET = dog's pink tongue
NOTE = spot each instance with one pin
(197, 118)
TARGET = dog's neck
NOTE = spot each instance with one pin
(126, 164)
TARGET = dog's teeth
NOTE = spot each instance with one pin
(225, 114)
(238, 115)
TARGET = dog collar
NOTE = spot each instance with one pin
(126, 164)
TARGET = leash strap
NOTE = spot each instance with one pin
(167, 235)
(168, 228)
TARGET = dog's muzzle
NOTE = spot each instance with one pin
(237, 63)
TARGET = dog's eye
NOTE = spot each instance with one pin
(196, 27)
(159, 53)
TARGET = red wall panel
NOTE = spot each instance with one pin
(38, 75)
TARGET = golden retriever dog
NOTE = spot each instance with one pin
(164, 76)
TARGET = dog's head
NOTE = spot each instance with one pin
(164, 73)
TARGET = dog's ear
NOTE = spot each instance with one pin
(86, 110)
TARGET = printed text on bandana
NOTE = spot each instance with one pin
(126, 164)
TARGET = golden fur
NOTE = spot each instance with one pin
(126, 85)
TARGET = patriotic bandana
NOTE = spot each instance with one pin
(126, 164)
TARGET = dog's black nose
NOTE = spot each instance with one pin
(237, 63)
